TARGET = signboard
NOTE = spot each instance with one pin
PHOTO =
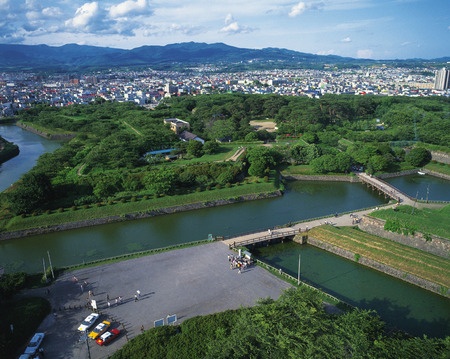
(159, 322)
(171, 319)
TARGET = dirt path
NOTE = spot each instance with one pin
(236, 155)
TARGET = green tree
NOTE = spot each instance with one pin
(251, 137)
(31, 193)
(160, 181)
(260, 159)
(195, 148)
(418, 157)
(211, 147)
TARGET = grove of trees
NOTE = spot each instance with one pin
(294, 326)
(107, 158)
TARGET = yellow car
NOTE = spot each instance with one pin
(99, 329)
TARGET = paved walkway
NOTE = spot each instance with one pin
(187, 282)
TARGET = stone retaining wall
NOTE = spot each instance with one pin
(437, 246)
(440, 157)
(397, 174)
(335, 178)
(433, 287)
(57, 137)
(132, 216)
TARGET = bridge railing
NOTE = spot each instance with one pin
(385, 187)
(272, 235)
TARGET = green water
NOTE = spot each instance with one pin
(400, 304)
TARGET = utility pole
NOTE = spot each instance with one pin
(50, 263)
(45, 270)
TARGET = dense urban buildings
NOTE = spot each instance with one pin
(20, 90)
(442, 80)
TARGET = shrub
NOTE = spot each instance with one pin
(60, 210)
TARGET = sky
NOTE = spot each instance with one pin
(375, 29)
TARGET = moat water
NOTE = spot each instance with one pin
(401, 305)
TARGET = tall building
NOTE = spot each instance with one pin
(442, 79)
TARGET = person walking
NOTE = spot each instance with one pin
(136, 298)
(138, 292)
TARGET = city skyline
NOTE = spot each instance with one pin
(383, 29)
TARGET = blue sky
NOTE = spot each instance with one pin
(377, 29)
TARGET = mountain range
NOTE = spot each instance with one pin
(77, 57)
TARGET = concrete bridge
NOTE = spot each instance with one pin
(257, 237)
(274, 235)
(385, 188)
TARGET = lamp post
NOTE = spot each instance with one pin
(298, 273)
(87, 343)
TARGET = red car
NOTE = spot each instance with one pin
(108, 337)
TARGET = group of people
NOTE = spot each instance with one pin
(117, 301)
(239, 262)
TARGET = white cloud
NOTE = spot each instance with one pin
(364, 54)
(298, 9)
(129, 7)
(52, 11)
(4, 4)
(232, 26)
(85, 17)
(346, 39)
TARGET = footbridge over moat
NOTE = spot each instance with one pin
(385, 188)
(266, 236)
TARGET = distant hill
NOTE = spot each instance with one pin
(77, 57)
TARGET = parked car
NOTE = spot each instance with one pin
(108, 337)
(34, 344)
(88, 322)
(99, 329)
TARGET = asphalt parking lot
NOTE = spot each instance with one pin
(186, 283)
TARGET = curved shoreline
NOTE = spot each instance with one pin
(133, 216)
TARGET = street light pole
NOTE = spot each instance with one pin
(298, 273)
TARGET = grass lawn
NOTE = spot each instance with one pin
(407, 259)
(46, 130)
(438, 167)
(425, 220)
(137, 206)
